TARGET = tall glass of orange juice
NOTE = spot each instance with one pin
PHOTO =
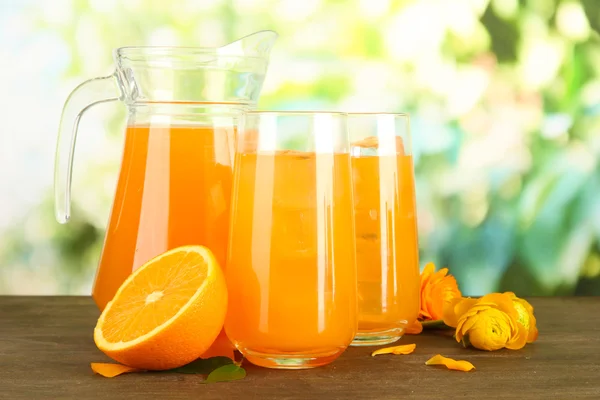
(386, 227)
(291, 268)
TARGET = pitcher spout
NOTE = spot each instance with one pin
(258, 44)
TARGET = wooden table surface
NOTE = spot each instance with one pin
(46, 347)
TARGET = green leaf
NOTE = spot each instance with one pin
(203, 366)
(226, 373)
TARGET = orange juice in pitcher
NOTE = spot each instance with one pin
(175, 179)
(181, 198)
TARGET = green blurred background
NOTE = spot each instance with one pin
(504, 97)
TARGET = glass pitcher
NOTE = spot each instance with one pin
(175, 178)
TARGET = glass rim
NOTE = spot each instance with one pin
(376, 113)
(294, 112)
(143, 53)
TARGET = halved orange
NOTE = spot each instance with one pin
(167, 313)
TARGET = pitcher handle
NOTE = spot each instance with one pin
(84, 96)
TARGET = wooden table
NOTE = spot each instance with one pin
(46, 348)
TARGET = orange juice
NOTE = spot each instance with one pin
(291, 265)
(174, 189)
(386, 243)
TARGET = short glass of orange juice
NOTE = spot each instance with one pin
(386, 226)
(291, 267)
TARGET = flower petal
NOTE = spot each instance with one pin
(525, 303)
(458, 365)
(428, 270)
(533, 332)
(109, 370)
(414, 329)
(466, 324)
(526, 317)
(439, 275)
(455, 308)
(492, 331)
(402, 349)
(468, 319)
(519, 340)
(501, 301)
(426, 275)
(436, 289)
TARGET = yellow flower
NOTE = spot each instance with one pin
(437, 288)
(526, 316)
(489, 323)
